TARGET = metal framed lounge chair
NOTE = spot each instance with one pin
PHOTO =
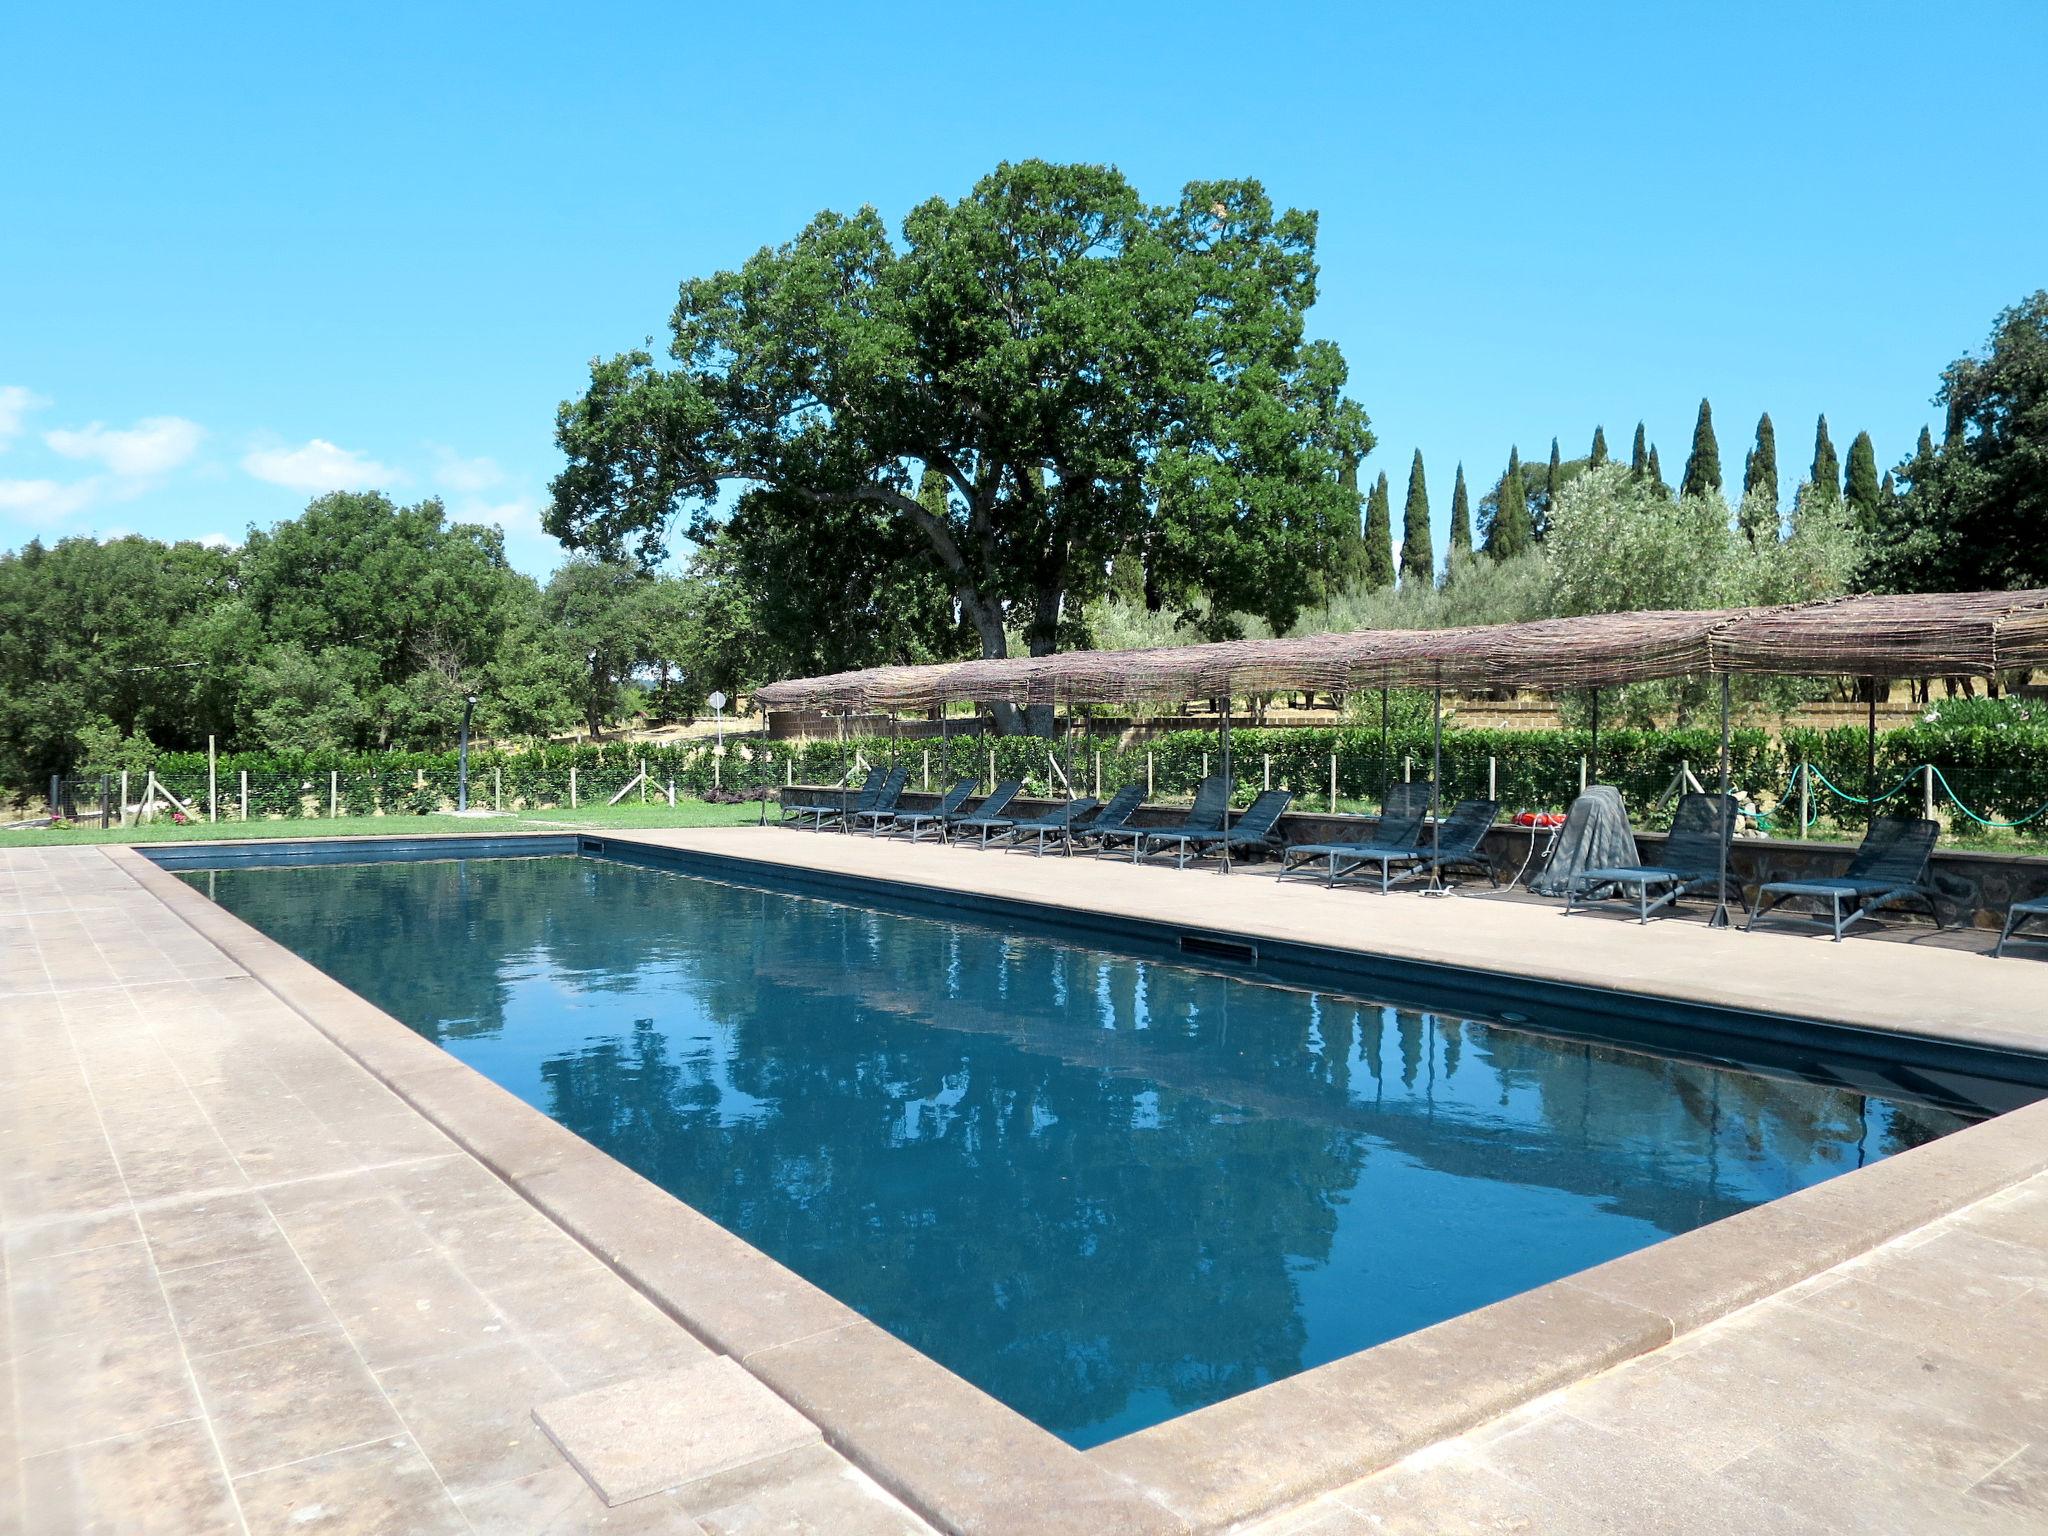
(884, 802)
(819, 809)
(1403, 816)
(936, 817)
(1254, 829)
(1694, 856)
(1890, 866)
(1212, 800)
(1058, 822)
(1459, 837)
(2016, 917)
(988, 816)
(1113, 819)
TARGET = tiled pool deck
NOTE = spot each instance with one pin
(251, 1286)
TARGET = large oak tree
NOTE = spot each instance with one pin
(1090, 375)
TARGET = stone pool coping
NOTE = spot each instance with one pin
(970, 1464)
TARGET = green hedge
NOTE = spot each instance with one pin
(1999, 772)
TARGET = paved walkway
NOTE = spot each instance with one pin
(1900, 1394)
(249, 1289)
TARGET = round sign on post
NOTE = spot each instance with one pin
(716, 701)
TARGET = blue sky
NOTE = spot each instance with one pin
(250, 252)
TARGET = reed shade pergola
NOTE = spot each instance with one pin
(1928, 634)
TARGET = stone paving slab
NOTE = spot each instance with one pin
(653, 1433)
(248, 1288)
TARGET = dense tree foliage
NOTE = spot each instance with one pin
(1760, 481)
(1090, 374)
(358, 626)
(1418, 551)
(1460, 540)
(1378, 569)
(1703, 463)
(1973, 511)
(1509, 528)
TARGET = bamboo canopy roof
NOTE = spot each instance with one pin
(1929, 634)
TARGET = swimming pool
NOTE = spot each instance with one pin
(1103, 1186)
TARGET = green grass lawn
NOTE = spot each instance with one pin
(685, 813)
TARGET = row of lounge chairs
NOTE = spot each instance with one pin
(1081, 823)
(1888, 869)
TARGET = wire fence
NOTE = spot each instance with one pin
(1991, 778)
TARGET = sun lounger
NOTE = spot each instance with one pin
(1212, 799)
(988, 816)
(884, 801)
(1890, 866)
(859, 799)
(951, 801)
(1459, 839)
(1694, 856)
(2015, 917)
(1057, 822)
(1113, 819)
(1402, 819)
(1254, 829)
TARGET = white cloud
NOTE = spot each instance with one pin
(151, 446)
(319, 465)
(34, 500)
(16, 401)
(217, 541)
(468, 476)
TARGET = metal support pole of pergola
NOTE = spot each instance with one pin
(1436, 794)
(1593, 753)
(1227, 782)
(1721, 919)
(1386, 757)
(1870, 746)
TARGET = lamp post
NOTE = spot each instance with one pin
(462, 758)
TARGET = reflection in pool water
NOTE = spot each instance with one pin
(1105, 1190)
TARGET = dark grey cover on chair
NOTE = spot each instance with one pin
(1595, 835)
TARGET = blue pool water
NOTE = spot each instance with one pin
(1105, 1189)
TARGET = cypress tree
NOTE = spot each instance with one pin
(1760, 469)
(1826, 474)
(1638, 459)
(1655, 471)
(1553, 482)
(1924, 449)
(1418, 555)
(1461, 520)
(1510, 533)
(1599, 454)
(1703, 464)
(1345, 567)
(1377, 569)
(1887, 493)
(1860, 488)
